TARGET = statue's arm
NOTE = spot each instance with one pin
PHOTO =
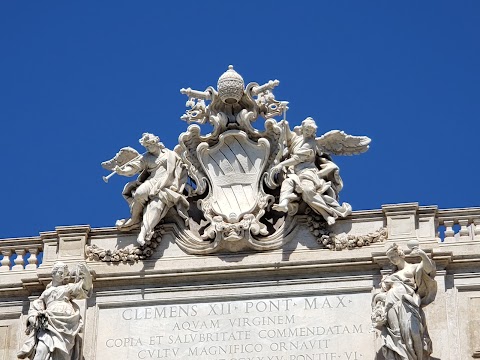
(300, 155)
(380, 296)
(288, 133)
(82, 287)
(170, 167)
(427, 264)
(292, 160)
(36, 306)
(87, 278)
(131, 169)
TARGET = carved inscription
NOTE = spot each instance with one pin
(298, 328)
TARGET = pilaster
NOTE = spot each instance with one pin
(401, 221)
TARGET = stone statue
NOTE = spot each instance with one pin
(397, 308)
(310, 172)
(54, 321)
(232, 174)
(159, 186)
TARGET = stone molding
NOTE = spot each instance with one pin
(300, 268)
(68, 243)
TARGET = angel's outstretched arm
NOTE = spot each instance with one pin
(294, 160)
(427, 263)
(84, 277)
(128, 170)
(126, 162)
(288, 134)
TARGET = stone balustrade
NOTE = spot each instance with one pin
(404, 221)
(20, 253)
(458, 225)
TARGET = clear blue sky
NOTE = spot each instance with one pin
(79, 80)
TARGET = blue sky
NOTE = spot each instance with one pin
(79, 80)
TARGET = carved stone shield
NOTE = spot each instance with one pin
(234, 167)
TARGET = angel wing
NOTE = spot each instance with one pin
(122, 157)
(336, 142)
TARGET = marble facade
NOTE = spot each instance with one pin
(298, 302)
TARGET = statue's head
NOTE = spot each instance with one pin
(394, 254)
(150, 141)
(309, 128)
(59, 271)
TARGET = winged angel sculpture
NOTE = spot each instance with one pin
(236, 173)
(158, 187)
(311, 173)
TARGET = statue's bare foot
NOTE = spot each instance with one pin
(125, 225)
(140, 241)
(149, 235)
(330, 220)
(282, 206)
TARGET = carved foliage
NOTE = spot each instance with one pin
(127, 254)
(329, 240)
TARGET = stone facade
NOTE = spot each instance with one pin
(238, 248)
(302, 301)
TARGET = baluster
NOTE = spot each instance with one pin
(476, 223)
(449, 233)
(32, 260)
(6, 260)
(19, 262)
(464, 233)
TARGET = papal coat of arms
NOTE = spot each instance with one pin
(237, 187)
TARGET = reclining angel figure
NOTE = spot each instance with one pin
(159, 186)
(310, 172)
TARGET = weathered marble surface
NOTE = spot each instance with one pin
(301, 270)
(158, 187)
(53, 321)
(310, 173)
(278, 328)
(238, 187)
(397, 309)
(239, 231)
